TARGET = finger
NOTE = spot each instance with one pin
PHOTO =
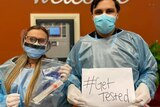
(146, 105)
(136, 105)
(64, 71)
(144, 102)
(64, 77)
(71, 101)
(14, 103)
(81, 105)
(139, 99)
(140, 104)
(79, 102)
(13, 95)
(65, 67)
(12, 99)
(80, 99)
(72, 98)
(148, 100)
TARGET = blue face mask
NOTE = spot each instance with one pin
(104, 23)
(32, 50)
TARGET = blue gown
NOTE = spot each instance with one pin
(123, 49)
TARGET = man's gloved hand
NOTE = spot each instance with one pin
(13, 100)
(74, 96)
(142, 95)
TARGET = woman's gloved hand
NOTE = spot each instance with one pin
(13, 100)
(142, 95)
(64, 72)
(74, 96)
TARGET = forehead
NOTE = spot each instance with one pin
(37, 33)
(106, 4)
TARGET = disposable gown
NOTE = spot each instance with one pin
(123, 49)
(55, 99)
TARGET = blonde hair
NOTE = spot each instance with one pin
(20, 63)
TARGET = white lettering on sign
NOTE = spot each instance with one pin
(123, 1)
(73, 1)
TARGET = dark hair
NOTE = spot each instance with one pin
(95, 3)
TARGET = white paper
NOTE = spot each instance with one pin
(108, 87)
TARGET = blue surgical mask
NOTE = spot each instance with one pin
(104, 23)
(32, 50)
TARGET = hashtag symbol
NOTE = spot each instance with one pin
(89, 83)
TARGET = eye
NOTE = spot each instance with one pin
(33, 39)
(98, 12)
(42, 41)
(110, 11)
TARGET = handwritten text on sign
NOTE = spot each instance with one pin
(108, 86)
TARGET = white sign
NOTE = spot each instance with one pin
(108, 87)
(75, 2)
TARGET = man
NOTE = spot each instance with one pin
(111, 47)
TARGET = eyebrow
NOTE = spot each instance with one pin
(105, 9)
(111, 9)
(36, 37)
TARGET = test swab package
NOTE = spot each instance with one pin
(49, 85)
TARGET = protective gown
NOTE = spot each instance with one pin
(55, 99)
(123, 49)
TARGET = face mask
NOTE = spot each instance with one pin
(104, 23)
(34, 51)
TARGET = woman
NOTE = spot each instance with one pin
(21, 77)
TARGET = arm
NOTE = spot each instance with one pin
(72, 60)
(147, 68)
(74, 95)
(5, 69)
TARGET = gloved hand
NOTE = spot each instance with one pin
(13, 100)
(64, 72)
(74, 96)
(142, 95)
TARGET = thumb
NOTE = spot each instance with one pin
(14, 95)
